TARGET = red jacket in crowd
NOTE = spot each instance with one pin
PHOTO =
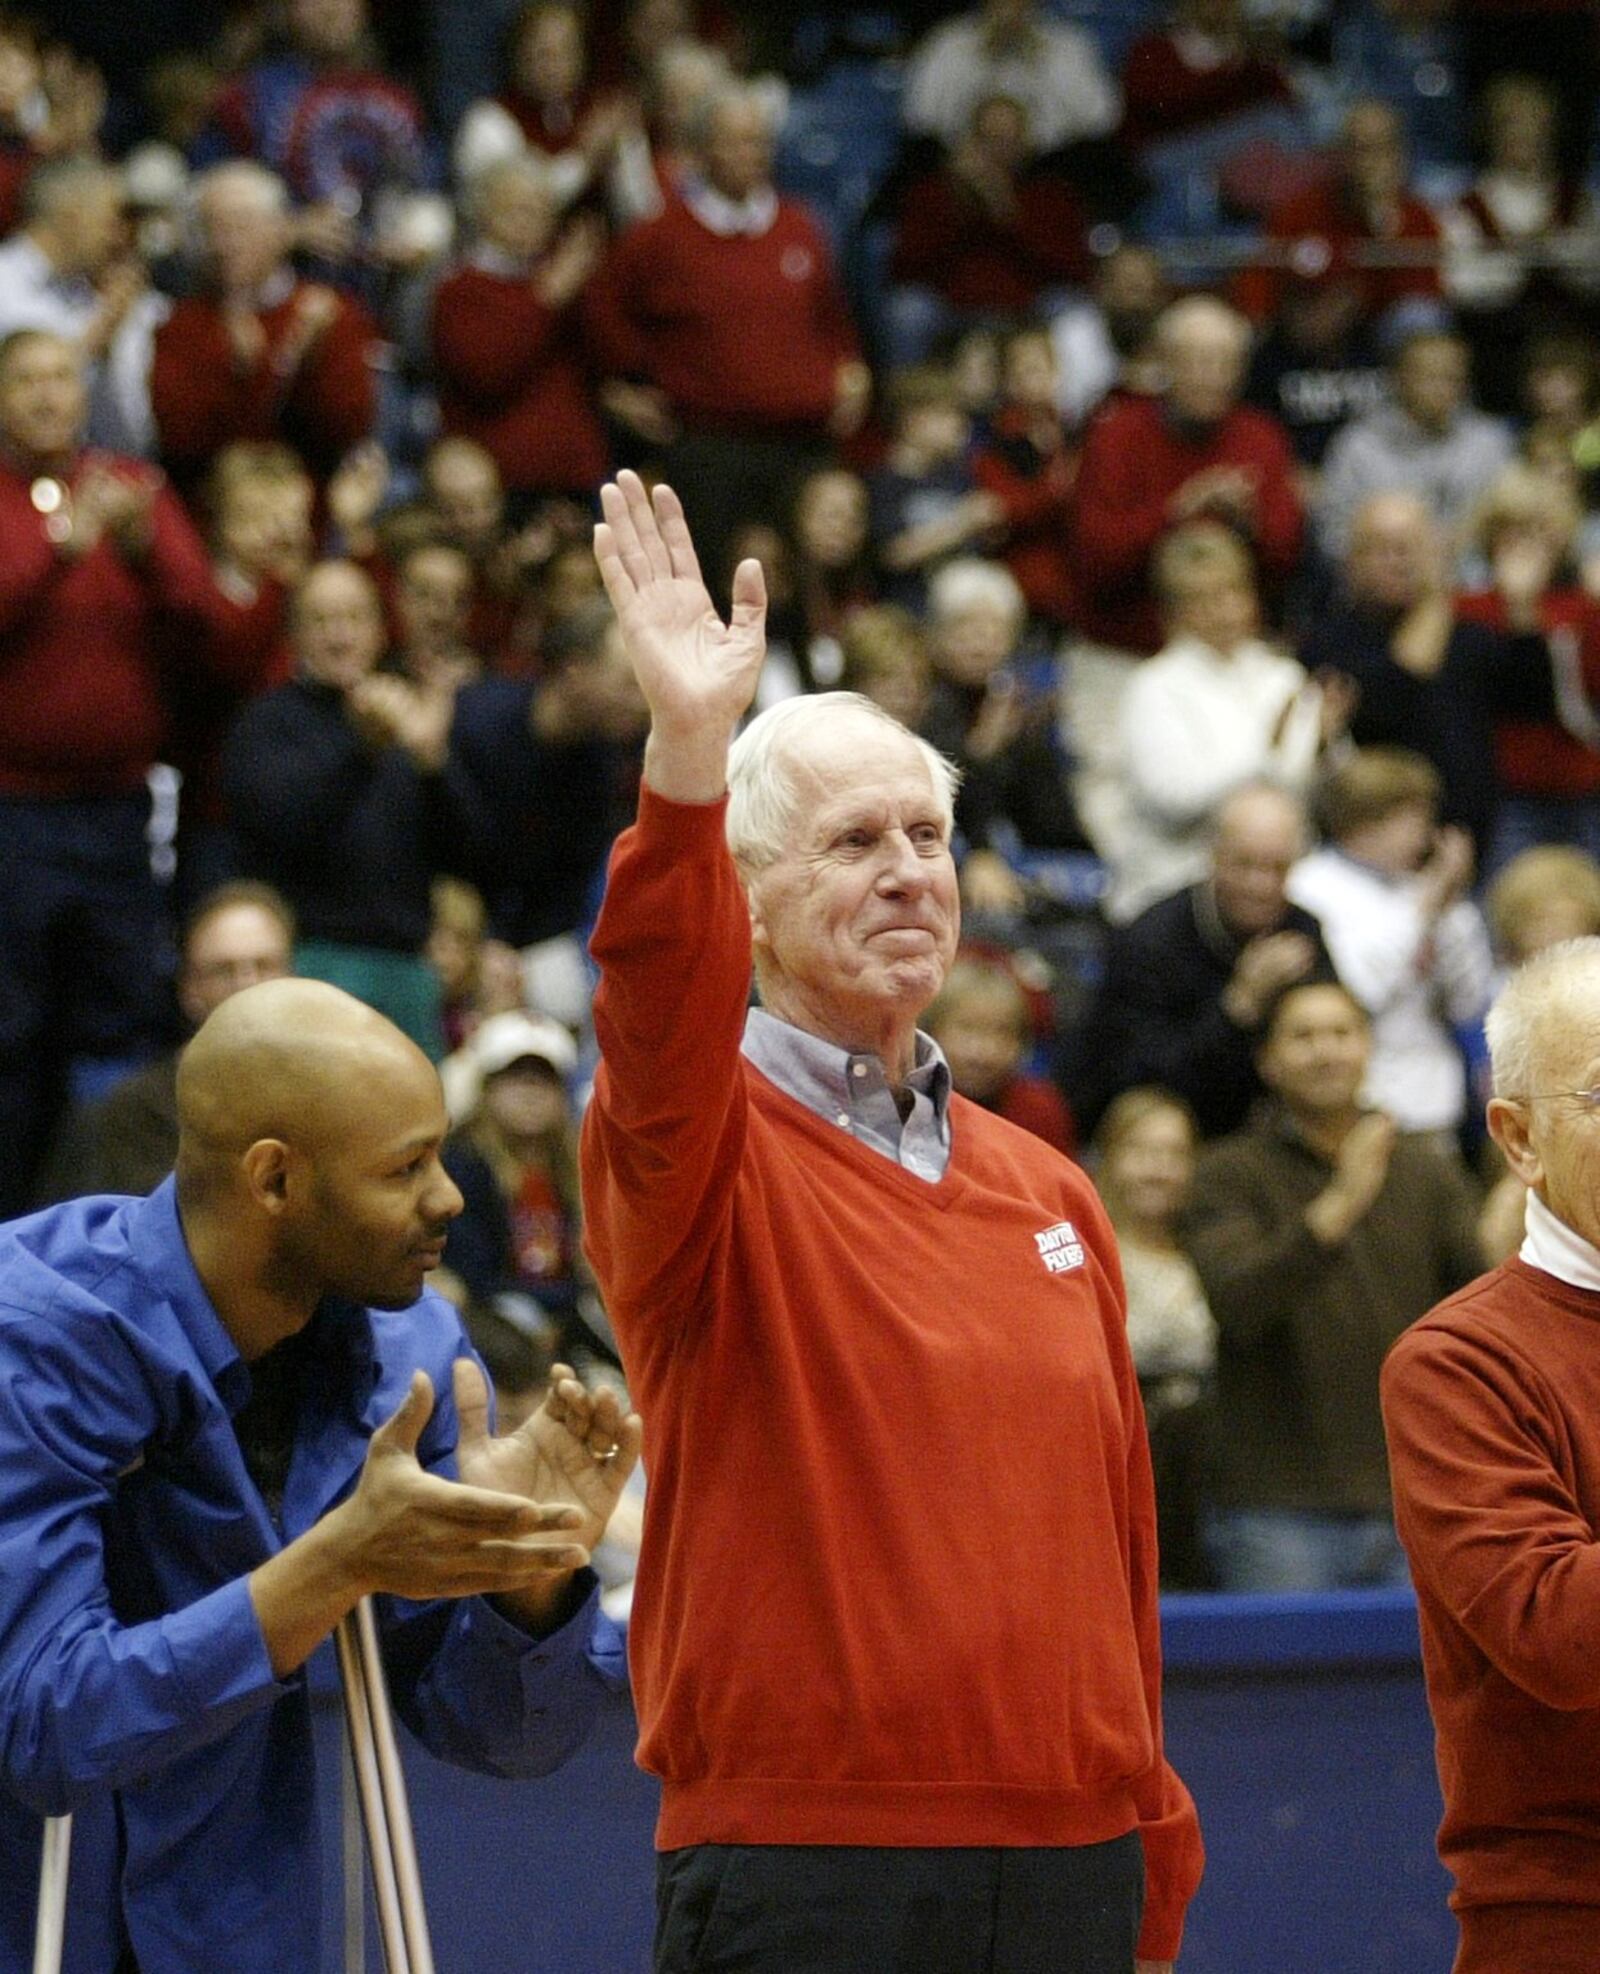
(1135, 459)
(511, 374)
(1166, 95)
(742, 331)
(950, 242)
(90, 649)
(1328, 237)
(1033, 483)
(1534, 754)
(205, 398)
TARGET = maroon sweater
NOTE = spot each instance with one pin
(1492, 1408)
(950, 241)
(1134, 460)
(512, 375)
(742, 333)
(90, 649)
(204, 399)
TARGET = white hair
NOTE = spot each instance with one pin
(264, 187)
(525, 167)
(1541, 992)
(1204, 313)
(972, 584)
(763, 808)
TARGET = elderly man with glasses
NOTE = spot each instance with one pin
(1492, 1406)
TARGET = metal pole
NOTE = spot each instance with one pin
(402, 1841)
(380, 1857)
(50, 1928)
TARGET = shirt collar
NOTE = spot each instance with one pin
(155, 1234)
(1551, 1246)
(828, 1079)
(753, 215)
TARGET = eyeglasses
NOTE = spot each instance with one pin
(1586, 1100)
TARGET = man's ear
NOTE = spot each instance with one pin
(1508, 1121)
(265, 1166)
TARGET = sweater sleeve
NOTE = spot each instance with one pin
(1491, 1528)
(333, 395)
(663, 1133)
(1118, 516)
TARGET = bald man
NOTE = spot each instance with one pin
(227, 1412)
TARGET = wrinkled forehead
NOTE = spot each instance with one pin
(853, 760)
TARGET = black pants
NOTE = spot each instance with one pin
(824, 1909)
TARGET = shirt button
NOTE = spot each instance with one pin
(858, 1069)
(843, 1118)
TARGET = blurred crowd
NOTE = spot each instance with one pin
(1186, 416)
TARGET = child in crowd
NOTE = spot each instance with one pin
(478, 976)
(886, 660)
(925, 504)
(1546, 895)
(832, 568)
(1027, 464)
(514, 1158)
(1390, 890)
(1144, 1154)
(983, 1023)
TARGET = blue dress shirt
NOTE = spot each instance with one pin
(135, 1687)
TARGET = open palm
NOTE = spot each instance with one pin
(560, 1456)
(694, 670)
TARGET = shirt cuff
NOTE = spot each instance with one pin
(218, 1651)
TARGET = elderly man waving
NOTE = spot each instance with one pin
(895, 1652)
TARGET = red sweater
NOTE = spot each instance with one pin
(1322, 220)
(511, 374)
(949, 241)
(740, 332)
(90, 649)
(1134, 460)
(1034, 485)
(1539, 756)
(869, 1611)
(1164, 96)
(1492, 1408)
(204, 400)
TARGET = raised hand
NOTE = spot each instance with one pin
(697, 674)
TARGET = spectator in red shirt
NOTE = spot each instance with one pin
(1148, 465)
(1362, 220)
(105, 596)
(1197, 71)
(507, 344)
(1546, 689)
(1028, 462)
(982, 1022)
(551, 106)
(259, 353)
(984, 235)
(729, 306)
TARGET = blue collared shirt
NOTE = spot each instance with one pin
(131, 1659)
(850, 1089)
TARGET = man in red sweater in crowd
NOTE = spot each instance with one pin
(938, 1747)
(508, 348)
(727, 304)
(1148, 465)
(1492, 1407)
(259, 353)
(105, 595)
(1362, 224)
